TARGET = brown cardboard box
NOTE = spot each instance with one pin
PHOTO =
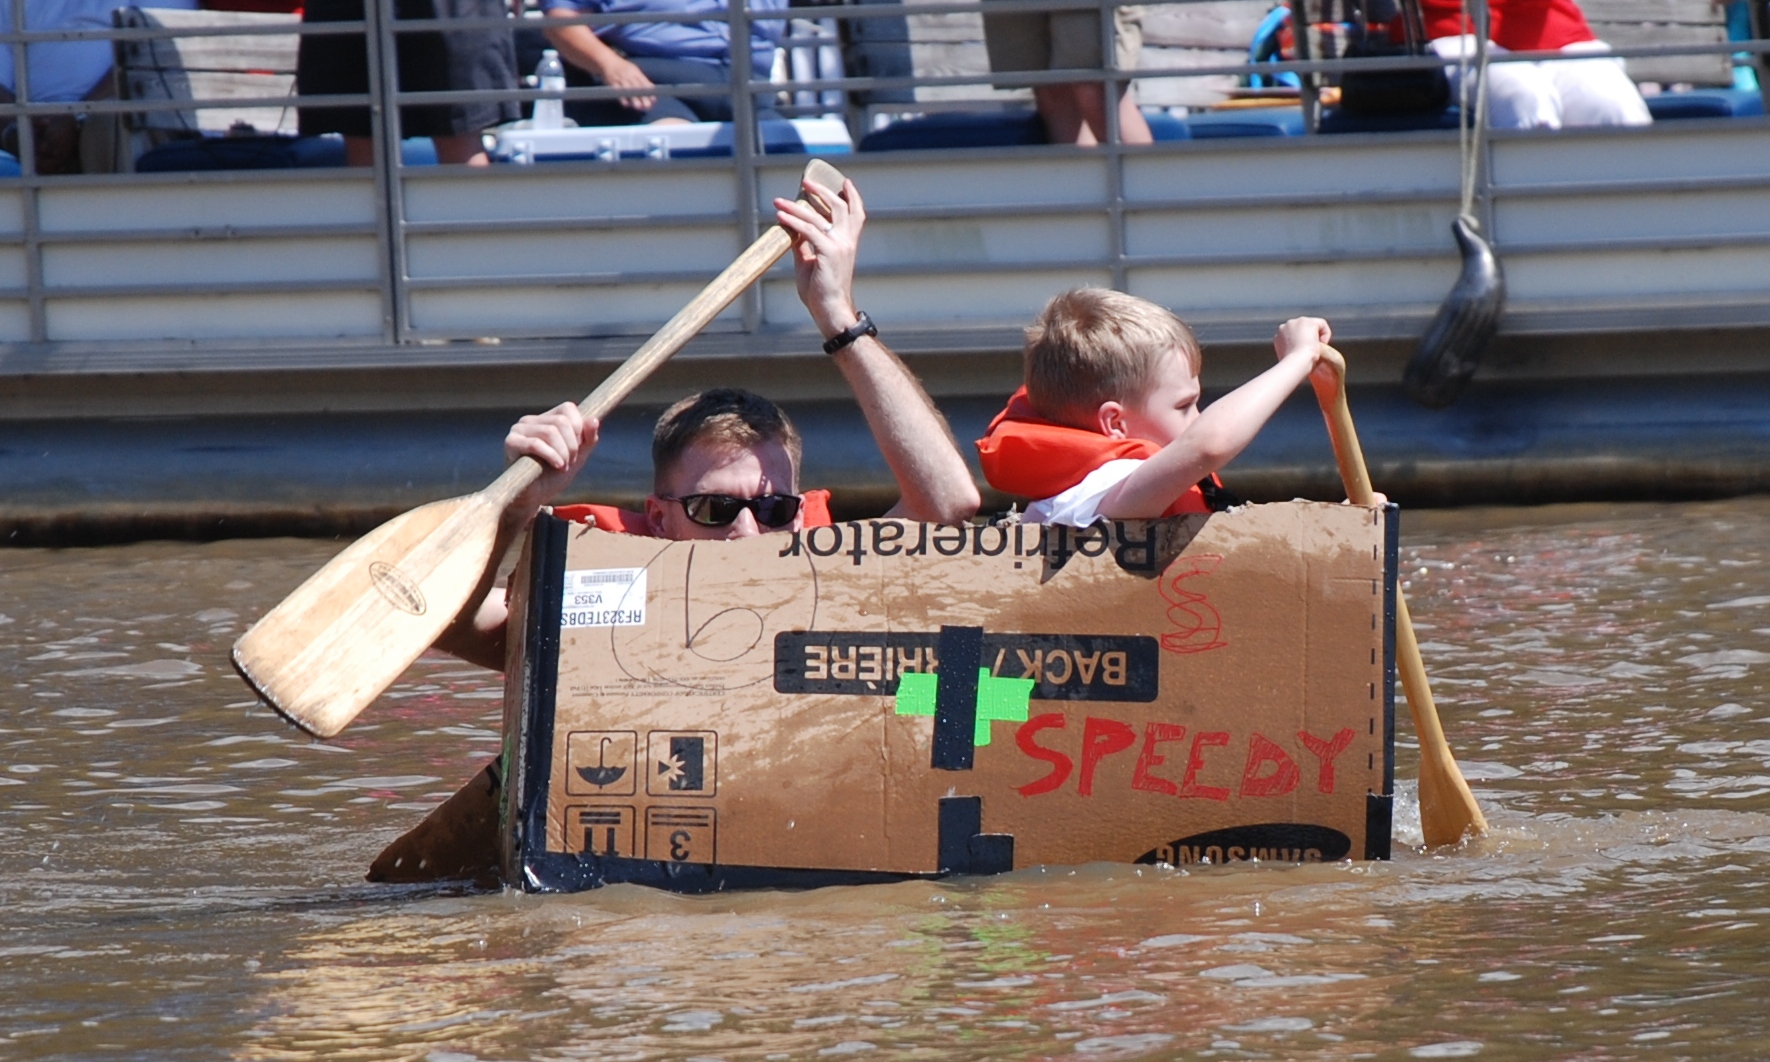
(882, 699)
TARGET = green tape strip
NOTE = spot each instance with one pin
(999, 698)
(1003, 699)
(915, 692)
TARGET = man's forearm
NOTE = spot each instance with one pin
(912, 435)
(581, 47)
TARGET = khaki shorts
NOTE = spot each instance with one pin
(1059, 40)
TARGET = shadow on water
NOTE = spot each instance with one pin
(182, 873)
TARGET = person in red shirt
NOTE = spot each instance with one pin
(1540, 95)
(726, 462)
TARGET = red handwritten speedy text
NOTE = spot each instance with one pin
(1171, 761)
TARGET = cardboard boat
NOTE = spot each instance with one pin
(882, 700)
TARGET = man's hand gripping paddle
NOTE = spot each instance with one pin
(1448, 810)
(354, 627)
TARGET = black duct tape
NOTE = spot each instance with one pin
(955, 698)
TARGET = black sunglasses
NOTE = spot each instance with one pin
(719, 510)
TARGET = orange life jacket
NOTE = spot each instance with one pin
(1024, 454)
(816, 508)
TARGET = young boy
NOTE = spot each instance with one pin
(1107, 423)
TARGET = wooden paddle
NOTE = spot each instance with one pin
(355, 625)
(1448, 810)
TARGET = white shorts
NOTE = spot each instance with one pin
(1554, 93)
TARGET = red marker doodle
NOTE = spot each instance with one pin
(1197, 625)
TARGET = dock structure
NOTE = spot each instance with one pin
(311, 349)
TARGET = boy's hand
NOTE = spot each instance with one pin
(561, 439)
(1303, 337)
(824, 252)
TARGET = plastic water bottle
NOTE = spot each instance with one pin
(549, 77)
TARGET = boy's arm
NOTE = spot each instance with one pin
(1223, 430)
(561, 439)
(910, 432)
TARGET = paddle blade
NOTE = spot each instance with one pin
(355, 625)
(1466, 322)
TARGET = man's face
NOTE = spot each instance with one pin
(1171, 405)
(742, 472)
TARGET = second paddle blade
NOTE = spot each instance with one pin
(354, 627)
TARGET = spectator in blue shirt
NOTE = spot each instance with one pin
(643, 55)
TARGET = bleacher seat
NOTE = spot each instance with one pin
(265, 153)
(1706, 103)
(986, 129)
(1340, 120)
(958, 129)
(1246, 121)
(9, 166)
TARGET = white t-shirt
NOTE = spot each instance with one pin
(1079, 506)
(66, 70)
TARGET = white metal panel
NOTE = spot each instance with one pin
(571, 252)
(986, 241)
(192, 262)
(565, 310)
(1599, 218)
(12, 267)
(1318, 165)
(15, 321)
(209, 204)
(12, 218)
(937, 299)
(526, 193)
(1287, 290)
(1621, 275)
(977, 182)
(1409, 226)
(1739, 149)
(317, 315)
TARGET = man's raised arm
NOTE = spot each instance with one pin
(561, 439)
(910, 432)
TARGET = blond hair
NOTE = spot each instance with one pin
(1094, 345)
(727, 417)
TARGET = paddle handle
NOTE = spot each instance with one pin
(724, 289)
(1447, 807)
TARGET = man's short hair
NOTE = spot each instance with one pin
(1094, 345)
(726, 417)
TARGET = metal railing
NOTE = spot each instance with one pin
(394, 227)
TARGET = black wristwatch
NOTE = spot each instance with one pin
(862, 327)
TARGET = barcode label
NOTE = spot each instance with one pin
(603, 597)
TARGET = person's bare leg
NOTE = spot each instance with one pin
(1064, 120)
(1133, 127)
(1076, 114)
(464, 148)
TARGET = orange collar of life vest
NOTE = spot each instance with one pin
(1024, 454)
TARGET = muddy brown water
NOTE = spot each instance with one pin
(181, 874)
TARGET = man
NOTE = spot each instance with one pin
(427, 61)
(59, 72)
(643, 55)
(1075, 112)
(726, 466)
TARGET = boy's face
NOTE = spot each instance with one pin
(1171, 405)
